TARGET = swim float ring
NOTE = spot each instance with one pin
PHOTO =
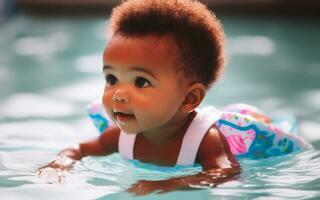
(249, 132)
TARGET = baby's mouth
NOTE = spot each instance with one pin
(122, 117)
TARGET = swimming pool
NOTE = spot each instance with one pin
(50, 69)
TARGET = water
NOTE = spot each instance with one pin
(50, 69)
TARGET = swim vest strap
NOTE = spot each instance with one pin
(200, 125)
(126, 144)
(205, 118)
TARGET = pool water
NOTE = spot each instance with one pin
(50, 69)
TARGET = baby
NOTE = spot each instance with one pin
(162, 57)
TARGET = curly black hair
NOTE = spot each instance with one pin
(195, 29)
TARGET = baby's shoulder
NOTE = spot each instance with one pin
(110, 137)
(213, 135)
(213, 142)
(214, 151)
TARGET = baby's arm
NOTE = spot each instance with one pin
(105, 144)
(218, 164)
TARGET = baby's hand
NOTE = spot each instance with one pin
(51, 175)
(55, 171)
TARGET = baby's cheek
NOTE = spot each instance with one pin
(142, 101)
(107, 101)
(159, 112)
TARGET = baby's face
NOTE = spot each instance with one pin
(143, 91)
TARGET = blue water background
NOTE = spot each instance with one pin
(50, 69)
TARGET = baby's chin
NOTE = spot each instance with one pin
(128, 130)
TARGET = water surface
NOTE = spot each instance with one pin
(50, 69)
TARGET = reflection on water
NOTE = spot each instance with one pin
(83, 92)
(32, 105)
(51, 68)
(251, 45)
(89, 63)
(294, 176)
(41, 46)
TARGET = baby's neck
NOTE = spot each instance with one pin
(170, 130)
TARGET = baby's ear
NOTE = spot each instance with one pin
(193, 97)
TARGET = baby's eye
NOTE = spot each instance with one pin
(142, 82)
(111, 79)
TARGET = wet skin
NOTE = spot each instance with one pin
(145, 95)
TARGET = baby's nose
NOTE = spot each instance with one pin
(121, 96)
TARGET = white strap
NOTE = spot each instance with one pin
(126, 144)
(196, 131)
